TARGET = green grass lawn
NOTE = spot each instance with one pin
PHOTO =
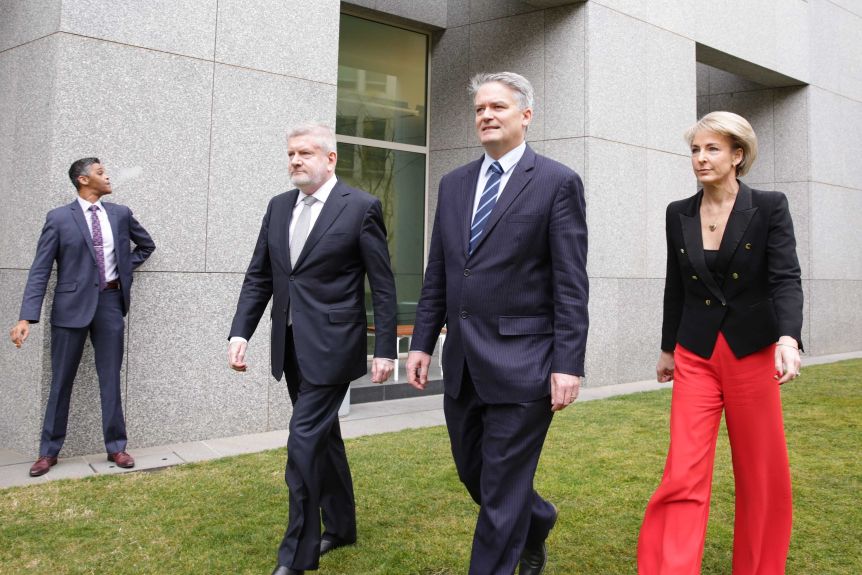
(601, 462)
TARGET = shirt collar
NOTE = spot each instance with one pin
(322, 193)
(508, 161)
(85, 205)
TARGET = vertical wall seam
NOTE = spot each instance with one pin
(210, 155)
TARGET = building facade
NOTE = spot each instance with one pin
(188, 103)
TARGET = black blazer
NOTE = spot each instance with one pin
(327, 288)
(756, 294)
(516, 308)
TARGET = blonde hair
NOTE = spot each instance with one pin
(734, 127)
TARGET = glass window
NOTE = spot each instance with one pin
(382, 147)
(398, 179)
(381, 82)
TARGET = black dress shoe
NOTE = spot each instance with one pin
(327, 545)
(282, 570)
(535, 557)
(533, 560)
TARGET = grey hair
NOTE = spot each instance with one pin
(734, 127)
(517, 83)
(322, 134)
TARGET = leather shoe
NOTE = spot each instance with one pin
(535, 557)
(42, 465)
(533, 560)
(327, 545)
(282, 570)
(122, 459)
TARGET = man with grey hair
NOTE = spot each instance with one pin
(317, 244)
(507, 277)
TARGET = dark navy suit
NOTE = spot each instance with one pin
(324, 348)
(80, 309)
(515, 312)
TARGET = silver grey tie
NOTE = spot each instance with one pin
(300, 231)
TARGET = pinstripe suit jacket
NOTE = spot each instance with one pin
(516, 308)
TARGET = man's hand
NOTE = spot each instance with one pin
(665, 366)
(564, 390)
(381, 369)
(236, 355)
(417, 369)
(20, 332)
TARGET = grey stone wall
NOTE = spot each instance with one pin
(198, 96)
(617, 83)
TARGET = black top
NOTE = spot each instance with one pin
(711, 257)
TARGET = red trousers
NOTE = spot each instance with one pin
(674, 527)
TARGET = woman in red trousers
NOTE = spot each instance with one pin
(730, 338)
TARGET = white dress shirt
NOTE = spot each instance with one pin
(508, 161)
(321, 195)
(111, 273)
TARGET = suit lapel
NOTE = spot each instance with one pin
(521, 176)
(115, 226)
(333, 206)
(289, 204)
(737, 223)
(467, 199)
(79, 217)
(693, 240)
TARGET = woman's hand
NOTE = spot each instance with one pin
(788, 363)
(664, 367)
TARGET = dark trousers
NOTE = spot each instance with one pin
(496, 448)
(317, 473)
(106, 332)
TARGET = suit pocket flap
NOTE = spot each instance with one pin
(66, 286)
(346, 315)
(526, 325)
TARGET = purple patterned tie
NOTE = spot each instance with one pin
(97, 245)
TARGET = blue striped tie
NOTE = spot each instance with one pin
(486, 203)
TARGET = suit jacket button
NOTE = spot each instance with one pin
(464, 315)
(708, 302)
(467, 273)
(292, 278)
(748, 246)
(694, 277)
(734, 275)
(681, 250)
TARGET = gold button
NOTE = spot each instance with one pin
(708, 302)
(748, 246)
(694, 277)
(735, 275)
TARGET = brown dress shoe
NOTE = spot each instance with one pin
(42, 466)
(122, 459)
